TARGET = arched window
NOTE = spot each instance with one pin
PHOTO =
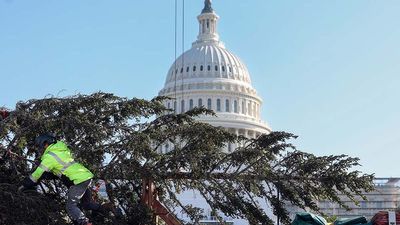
(194, 68)
(182, 70)
(182, 106)
(208, 67)
(200, 102)
(191, 104)
(223, 68)
(235, 106)
(209, 103)
(201, 68)
(175, 106)
(227, 105)
(230, 69)
(218, 105)
(187, 69)
(169, 105)
(216, 68)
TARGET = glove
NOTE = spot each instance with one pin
(27, 183)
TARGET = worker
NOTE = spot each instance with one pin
(58, 160)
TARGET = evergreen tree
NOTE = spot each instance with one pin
(119, 140)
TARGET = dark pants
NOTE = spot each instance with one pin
(87, 202)
(80, 195)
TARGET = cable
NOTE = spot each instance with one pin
(183, 44)
(175, 71)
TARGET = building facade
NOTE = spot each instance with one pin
(211, 76)
(385, 197)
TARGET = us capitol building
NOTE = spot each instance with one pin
(210, 75)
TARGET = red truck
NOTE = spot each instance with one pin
(386, 218)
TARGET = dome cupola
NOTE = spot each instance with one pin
(207, 25)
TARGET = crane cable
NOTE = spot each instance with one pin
(175, 42)
(183, 51)
(175, 71)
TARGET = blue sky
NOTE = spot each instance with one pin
(328, 71)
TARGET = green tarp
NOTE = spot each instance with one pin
(306, 218)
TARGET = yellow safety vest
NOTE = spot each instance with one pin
(57, 158)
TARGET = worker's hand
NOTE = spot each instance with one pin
(27, 184)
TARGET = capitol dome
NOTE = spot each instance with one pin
(209, 61)
(209, 75)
